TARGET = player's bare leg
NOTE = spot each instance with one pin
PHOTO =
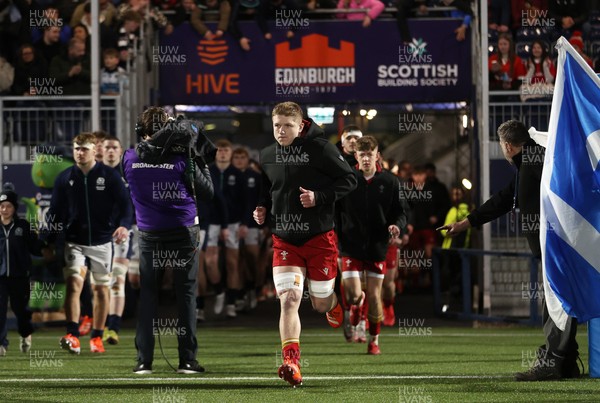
(375, 312)
(354, 298)
(289, 283)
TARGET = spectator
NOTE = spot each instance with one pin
(15, 25)
(372, 10)
(530, 11)
(190, 12)
(570, 15)
(72, 71)
(51, 18)
(405, 8)
(577, 42)
(499, 15)
(80, 31)
(107, 39)
(66, 8)
(128, 37)
(463, 12)
(238, 11)
(506, 68)
(108, 13)
(17, 243)
(270, 8)
(28, 66)
(165, 4)
(49, 46)
(111, 75)
(7, 76)
(540, 68)
(141, 6)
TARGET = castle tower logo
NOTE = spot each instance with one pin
(315, 64)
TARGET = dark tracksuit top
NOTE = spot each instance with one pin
(310, 162)
(230, 187)
(365, 215)
(84, 204)
(17, 243)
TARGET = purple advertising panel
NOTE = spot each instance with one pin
(325, 62)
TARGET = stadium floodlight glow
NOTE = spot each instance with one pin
(363, 112)
(345, 112)
(372, 112)
(465, 121)
(369, 117)
(467, 184)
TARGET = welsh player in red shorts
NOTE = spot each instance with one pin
(370, 216)
(303, 176)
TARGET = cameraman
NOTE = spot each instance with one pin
(162, 191)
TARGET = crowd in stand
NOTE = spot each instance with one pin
(522, 34)
(35, 33)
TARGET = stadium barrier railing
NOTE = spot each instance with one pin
(466, 309)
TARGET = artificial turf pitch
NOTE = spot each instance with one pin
(443, 364)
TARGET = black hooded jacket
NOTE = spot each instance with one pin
(310, 162)
(529, 163)
(366, 214)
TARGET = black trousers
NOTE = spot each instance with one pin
(175, 250)
(559, 342)
(17, 290)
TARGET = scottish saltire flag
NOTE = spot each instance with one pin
(570, 192)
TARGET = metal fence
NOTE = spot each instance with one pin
(35, 120)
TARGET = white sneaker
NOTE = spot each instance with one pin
(200, 315)
(230, 311)
(25, 343)
(2, 351)
(219, 303)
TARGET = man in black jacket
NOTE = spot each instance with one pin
(370, 215)
(558, 358)
(303, 177)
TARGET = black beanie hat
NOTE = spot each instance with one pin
(9, 196)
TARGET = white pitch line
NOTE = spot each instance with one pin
(382, 335)
(255, 378)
